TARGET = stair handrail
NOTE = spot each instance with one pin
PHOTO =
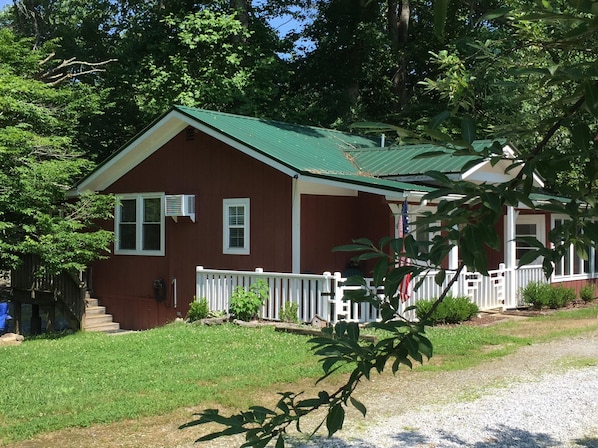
(66, 287)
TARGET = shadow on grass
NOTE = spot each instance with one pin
(496, 437)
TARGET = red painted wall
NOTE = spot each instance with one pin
(212, 171)
(328, 222)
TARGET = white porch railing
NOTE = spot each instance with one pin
(322, 295)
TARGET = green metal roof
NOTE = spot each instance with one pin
(320, 152)
(409, 160)
(329, 153)
(304, 148)
(310, 151)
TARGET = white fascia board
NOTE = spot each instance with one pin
(340, 186)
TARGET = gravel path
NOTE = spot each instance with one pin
(539, 397)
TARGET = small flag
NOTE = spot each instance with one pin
(403, 230)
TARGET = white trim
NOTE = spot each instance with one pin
(296, 227)
(139, 203)
(226, 205)
(538, 220)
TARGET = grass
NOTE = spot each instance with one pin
(86, 378)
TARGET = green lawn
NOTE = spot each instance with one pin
(87, 378)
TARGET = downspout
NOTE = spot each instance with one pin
(296, 227)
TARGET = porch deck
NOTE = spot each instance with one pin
(322, 295)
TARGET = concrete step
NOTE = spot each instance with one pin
(91, 310)
(91, 302)
(107, 327)
(96, 318)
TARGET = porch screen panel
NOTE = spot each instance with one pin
(128, 224)
(152, 217)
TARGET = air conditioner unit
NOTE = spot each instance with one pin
(180, 205)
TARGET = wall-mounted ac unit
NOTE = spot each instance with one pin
(180, 205)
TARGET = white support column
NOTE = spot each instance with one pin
(453, 265)
(511, 258)
(296, 228)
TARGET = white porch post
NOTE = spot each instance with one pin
(296, 227)
(453, 265)
(510, 259)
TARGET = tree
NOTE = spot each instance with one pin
(220, 55)
(565, 78)
(39, 164)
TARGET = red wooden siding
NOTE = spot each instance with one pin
(212, 172)
(329, 221)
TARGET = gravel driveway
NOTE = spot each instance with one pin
(545, 395)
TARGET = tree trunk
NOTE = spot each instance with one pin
(398, 16)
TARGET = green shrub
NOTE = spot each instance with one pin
(560, 296)
(452, 310)
(587, 293)
(245, 304)
(536, 294)
(289, 312)
(540, 295)
(198, 309)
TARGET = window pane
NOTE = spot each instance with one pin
(526, 229)
(127, 238)
(151, 210)
(151, 237)
(237, 238)
(236, 215)
(128, 210)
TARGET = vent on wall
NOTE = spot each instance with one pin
(180, 205)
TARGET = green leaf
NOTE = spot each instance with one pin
(280, 442)
(335, 419)
(591, 96)
(358, 405)
(468, 129)
(437, 120)
(495, 14)
(440, 10)
(439, 277)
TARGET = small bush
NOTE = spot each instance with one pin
(289, 312)
(587, 293)
(541, 295)
(536, 294)
(560, 296)
(245, 304)
(452, 310)
(198, 309)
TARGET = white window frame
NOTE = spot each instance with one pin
(540, 222)
(226, 227)
(572, 258)
(139, 202)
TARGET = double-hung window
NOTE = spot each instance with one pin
(139, 224)
(236, 226)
